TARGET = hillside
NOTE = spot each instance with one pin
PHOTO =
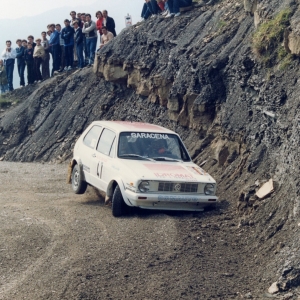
(227, 82)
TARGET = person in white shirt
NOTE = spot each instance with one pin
(106, 36)
(90, 31)
(9, 54)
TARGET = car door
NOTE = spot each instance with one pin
(105, 153)
(88, 152)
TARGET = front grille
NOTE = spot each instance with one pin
(178, 187)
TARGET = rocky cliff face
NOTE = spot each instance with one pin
(197, 75)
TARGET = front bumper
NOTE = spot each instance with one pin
(170, 201)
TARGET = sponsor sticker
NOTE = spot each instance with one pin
(158, 136)
(175, 176)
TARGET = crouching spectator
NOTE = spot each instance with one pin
(79, 44)
(28, 54)
(38, 56)
(106, 36)
(174, 6)
(3, 78)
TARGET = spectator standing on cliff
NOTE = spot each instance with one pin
(31, 40)
(24, 44)
(9, 54)
(29, 63)
(73, 19)
(20, 61)
(109, 23)
(46, 59)
(79, 44)
(99, 23)
(106, 37)
(86, 59)
(67, 34)
(38, 56)
(3, 78)
(55, 48)
(61, 49)
(90, 31)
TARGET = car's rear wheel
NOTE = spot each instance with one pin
(119, 207)
(78, 184)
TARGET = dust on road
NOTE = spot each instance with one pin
(57, 245)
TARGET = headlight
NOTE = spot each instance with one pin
(209, 189)
(144, 186)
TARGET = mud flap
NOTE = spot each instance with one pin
(70, 168)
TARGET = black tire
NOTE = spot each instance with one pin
(119, 207)
(78, 184)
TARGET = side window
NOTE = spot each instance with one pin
(106, 141)
(92, 136)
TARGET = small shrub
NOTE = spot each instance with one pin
(267, 41)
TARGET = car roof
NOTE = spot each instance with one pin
(120, 126)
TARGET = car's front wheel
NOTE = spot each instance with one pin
(78, 184)
(119, 207)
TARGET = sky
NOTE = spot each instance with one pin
(14, 9)
(19, 18)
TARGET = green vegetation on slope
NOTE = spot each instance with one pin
(267, 40)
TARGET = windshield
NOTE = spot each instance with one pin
(151, 146)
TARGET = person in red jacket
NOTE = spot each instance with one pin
(99, 22)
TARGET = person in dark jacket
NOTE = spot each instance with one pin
(31, 40)
(20, 61)
(109, 23)
(54, 48)
(67, 34)
(79, 44)
(28, 55)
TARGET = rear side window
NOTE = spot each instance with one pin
(106, 142)
(92, 136)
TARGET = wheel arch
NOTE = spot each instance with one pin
(111, 187)
(73, 162)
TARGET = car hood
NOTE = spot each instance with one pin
(166, 171)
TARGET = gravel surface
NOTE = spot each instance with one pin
(57, 245)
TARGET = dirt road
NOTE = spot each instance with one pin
(56, 245)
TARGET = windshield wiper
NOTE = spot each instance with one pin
(162, 158)
(136, 155)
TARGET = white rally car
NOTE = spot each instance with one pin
(139, 164)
